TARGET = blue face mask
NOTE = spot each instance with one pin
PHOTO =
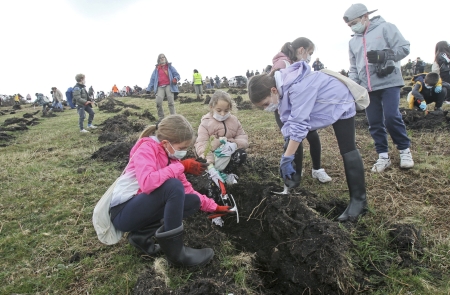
(358, 28)
(178, 155)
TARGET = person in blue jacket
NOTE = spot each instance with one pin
(164, 82)
(309, 101)
(69, 97)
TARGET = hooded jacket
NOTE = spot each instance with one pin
(280, 61)
(231, 128)
(80, 95)
(310, 100)
(153, 85)
(153, 167)
(380, 35)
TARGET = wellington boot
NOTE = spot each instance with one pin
(177, 254)
(144, 241)
(354, 172)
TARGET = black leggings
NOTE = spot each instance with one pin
(345, 134)
(315, 148)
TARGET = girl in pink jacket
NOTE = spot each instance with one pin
(226, 131)
(164, 196)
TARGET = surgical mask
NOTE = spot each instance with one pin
(358, 28)
(220, 117)
(428, 86)
(178, 155)
(308, 58)
(272, 107)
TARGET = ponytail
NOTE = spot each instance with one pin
(290, 48)
(150, 130)
(174, 128)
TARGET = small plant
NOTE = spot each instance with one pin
(208, 146)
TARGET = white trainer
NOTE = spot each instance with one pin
(381, 164)
(92, 126)
(321, 175)
(84, 131)
(406, 160)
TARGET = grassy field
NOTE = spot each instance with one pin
(49, 186)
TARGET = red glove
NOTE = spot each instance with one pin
(220, 211)
(174, 81)
(194, 167)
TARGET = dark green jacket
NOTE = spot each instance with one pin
(80, 95)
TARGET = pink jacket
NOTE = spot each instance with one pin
(231, 128)
(153, 167)
(279, 61)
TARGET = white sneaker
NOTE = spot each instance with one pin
(92, 126)
(321, 175)
(381, 164)
(406, 160)
(84, 131)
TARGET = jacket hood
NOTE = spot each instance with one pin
(280, 57)
(375, 22)
(296, 72)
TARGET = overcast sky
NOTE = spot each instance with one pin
(46, 43)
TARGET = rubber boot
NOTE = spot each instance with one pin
(143, 239)
(177, 254)
(354, 172)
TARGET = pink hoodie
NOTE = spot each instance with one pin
(279, 61)
(153, 167)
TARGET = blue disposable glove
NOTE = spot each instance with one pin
(423, 106)
(438, 89)
(286, 168)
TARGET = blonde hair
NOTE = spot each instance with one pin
(79, 77)
(220, 95)
(174, 128)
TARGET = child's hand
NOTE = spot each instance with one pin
(194, 167)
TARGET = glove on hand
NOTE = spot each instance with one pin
(220, 211)
(226, 149)
(286, 167)
(376, 56)
(438, 89)
(423, 106)
(194, 167)
(174, 81)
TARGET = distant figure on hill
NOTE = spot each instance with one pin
(317, 65)
(408, 68)
(420, 66)
(57, 99)
(207, 82)
(247, 74)
(257, 72)
(217, 79)
(91, 92)
(164, 82)
(16, 99)
(198, 84)
(28, 97)
(83, 102)
(115, 90)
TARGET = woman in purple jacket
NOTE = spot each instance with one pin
(309, 101)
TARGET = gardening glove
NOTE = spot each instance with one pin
(174, 81)
(376, 56)
(226, 149)
(286, 169)
(231, 178)
(215, 175)
(194, 167)
(438, 89)
(220, 211)
(423, 106)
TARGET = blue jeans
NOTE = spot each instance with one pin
(384, 116)
(168, 202)
(81, 111)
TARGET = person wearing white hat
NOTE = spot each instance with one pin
(375, 50)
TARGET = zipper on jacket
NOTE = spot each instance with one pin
(224, 126)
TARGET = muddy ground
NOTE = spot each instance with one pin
(288, 244)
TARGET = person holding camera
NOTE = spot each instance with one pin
(375, 50)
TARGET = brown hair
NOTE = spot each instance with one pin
(259, 87)
(432, 78)
(290, 48)
(79, 77)
(174, 128)
(220, 95)
(441, 47)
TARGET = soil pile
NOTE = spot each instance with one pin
(116, 152)
(243, 105)
(184, 99)
(5, 137)
(207, 99)
(109, 105)
(418, 120)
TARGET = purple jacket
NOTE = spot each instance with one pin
(310, 100)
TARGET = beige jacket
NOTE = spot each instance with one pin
(57, 95)
(231, 128)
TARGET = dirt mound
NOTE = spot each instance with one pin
(184, 99)
(12, 121)
(109, 105)
(418, 120)
(121, 125)
(5, 137)
(114, 152)
(29, 115)
(16, 107)
(207, 99)
(241, 104)
(148, 115)
(19, 127)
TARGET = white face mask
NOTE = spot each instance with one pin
(178, 155)
(428, 86)
(272, 107)
(220, 117)
(358, 28)
(307, 59)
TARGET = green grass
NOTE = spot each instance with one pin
(46, 208)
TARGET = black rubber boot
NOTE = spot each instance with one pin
(354, 172)
(143, 239)
(177, 254)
